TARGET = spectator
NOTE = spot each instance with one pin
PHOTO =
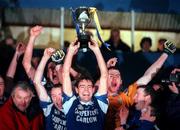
(7, 85)
(160, 46)
(116, 43)
(18, 113)
(87, 111)
(30, 68)
(10, 41)
(145, 44)
(6, 54)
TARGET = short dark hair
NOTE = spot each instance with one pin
(162, 40)
(84, 77)
(146, 39)
(114, 68)
(56, 86)
(23, 85)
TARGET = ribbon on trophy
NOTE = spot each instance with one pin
(98, 27)
(74, 19)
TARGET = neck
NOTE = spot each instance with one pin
(111, 93)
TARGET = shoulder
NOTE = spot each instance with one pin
(7, 110)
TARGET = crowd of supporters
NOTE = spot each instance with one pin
(37, 93)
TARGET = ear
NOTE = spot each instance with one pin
(152, 118)
(120, 81)
(148, 99)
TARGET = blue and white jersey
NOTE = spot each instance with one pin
(54, 119)
(85, 116)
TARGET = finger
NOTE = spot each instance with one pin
(78, 44)
(75, 42)
(89, 44)
(173, 84)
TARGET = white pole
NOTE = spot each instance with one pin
(62, 28)
(132, 29)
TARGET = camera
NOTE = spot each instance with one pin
(173, 77)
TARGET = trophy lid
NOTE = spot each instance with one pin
(82, 15)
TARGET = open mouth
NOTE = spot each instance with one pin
(86, 95)
(113, 84)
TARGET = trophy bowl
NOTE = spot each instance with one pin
(83, 19)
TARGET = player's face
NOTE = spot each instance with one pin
(56, 95)
(22, 98)
(52, 74)
(139, 99)
(85, 90)
(114, 80)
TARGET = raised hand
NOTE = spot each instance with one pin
(111, 62)
(48, 52)
(173, 88)
(20, 48)
(73, 47)
(36, 30)
(123, 114)
(93, 45)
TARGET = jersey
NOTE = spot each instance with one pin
(85, 116)
(54, 118)
(112, 119)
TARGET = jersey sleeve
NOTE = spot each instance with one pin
(67, 102)
(46, 106)
(102, 101)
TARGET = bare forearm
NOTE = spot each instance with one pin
(67, 63)
(12, 67)
(28, 52)
(67, 87)
(37, 79)
(152, 70)
(40, 70)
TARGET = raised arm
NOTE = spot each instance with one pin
(93, 45)
(41, 91)
(9, 81)
(12, 67)
(30, 70)
(67, 86)
(154, 68)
